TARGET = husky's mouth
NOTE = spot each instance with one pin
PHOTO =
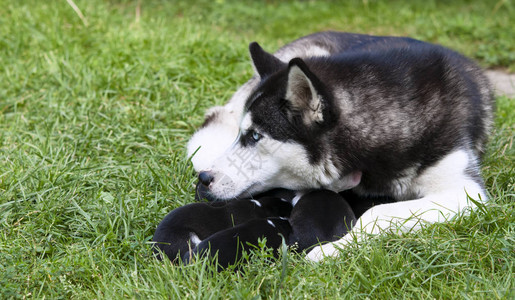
(202, 192)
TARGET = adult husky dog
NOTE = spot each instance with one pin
(392, 117)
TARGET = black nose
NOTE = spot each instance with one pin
(202, 192)
(205, 177)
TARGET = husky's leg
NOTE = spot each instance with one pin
(446, 185)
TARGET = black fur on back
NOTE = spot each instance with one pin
(388, 110)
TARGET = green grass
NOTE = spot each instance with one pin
(93, 126)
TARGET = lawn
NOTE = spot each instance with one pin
(97, 104)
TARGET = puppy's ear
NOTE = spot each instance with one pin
(302, 93)
(263, 62)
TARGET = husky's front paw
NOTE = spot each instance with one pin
(320, 252)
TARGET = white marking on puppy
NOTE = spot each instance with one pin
(194, 239)
(297, 197)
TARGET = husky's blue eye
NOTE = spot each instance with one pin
(256, 136)
(250, 138)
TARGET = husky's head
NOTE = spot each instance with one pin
(284, 135)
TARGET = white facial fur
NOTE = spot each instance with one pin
(269, 164)
(212, 141)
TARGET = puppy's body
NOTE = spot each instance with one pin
(406, 120)
(318, 216)
(360, 204)
(187, 226)
(229, 244)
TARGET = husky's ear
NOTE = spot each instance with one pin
(263, 62)
(302, 95)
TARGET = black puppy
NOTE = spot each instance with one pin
(360, 204)
(318, 216)
(187, 226)
(229, 244)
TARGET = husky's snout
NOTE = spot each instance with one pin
(202, 190)
(206, 177)
(214, 186)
